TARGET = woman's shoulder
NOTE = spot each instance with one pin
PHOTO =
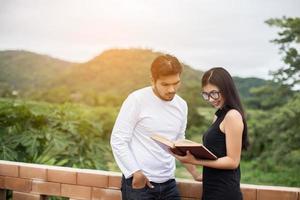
(233, 114)
(233, 120)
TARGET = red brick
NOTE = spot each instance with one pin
(46, 188)
(189, 188)
(61, 176)
(2, 178)
(9, 170)
(249, 191)
(25, 196)
(114, 181)
(90, 179)
(18, 184)
(33, 172)
(76, 192)
(276, 193)
(103, 194)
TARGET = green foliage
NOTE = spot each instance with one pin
(65, 135)
(275, 144)
(280, 176)
(244, 85)
(284, 128)
(289, 39)
(191, 92)
(267, 96)
(286, 79)
(257, 93)
(273, 130)
(252, 173)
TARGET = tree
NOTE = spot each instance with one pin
(289, 39)
(274, 129)
(286, 80)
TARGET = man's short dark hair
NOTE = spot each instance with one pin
(165, 65)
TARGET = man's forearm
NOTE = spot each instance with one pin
(192, 169)
(123, 155)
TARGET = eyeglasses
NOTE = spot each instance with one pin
(213, 94)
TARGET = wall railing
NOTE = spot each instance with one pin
(38, 182)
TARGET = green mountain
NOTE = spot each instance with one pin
(245, 84)
(118, 71)
(109, 76)
(23, 71)
(115, 72)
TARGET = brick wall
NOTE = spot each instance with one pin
(34, 182)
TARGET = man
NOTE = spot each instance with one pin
(148, 170)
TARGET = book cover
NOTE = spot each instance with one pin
(180, 147)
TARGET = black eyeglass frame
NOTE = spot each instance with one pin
(215, 95)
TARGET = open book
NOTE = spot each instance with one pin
(180, 147)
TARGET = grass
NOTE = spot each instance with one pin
(276, 176)
(252, 174)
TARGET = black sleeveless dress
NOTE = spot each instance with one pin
(219, 184)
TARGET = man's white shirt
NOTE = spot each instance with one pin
(143, 114)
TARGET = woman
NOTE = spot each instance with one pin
(226, 138)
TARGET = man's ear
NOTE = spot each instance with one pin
(152, 81)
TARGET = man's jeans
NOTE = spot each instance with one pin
(161, 191)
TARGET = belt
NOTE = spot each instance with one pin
(164, 183)
(153, 183)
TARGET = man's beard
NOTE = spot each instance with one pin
(163, 98)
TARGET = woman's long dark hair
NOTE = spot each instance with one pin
(219, 77)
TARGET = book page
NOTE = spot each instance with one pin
(163, 140)
(186, 143)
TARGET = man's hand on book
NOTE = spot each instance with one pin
(139, 180)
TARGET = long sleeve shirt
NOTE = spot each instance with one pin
(143, 114)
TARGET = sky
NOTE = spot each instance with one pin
(201, 33)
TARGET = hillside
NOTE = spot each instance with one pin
(111, 75)
(115, 72)
(244, 84)
(118, 71)
(23, 70)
